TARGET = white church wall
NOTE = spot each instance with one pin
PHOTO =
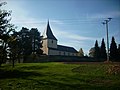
(56, 52)
(45, 47)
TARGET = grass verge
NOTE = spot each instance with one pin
(58, 76)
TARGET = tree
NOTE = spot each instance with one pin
(35, 41)
(103, 53)
(118, 51)
(113, 49)
(92, 52)
(81, 53)
(5, 29)
(17, 45)
(25, 42)
(97, 50)
(29, 42)
(12, 48)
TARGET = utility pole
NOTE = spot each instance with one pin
(106, 23)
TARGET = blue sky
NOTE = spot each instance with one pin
(75, 23)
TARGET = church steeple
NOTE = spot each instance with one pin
(48, 33)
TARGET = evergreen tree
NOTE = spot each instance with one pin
(97, 50)
(5, 29)
(25, 42)
(103, 53)
(113, 49)
(118, 53)
(92, 52)
(35, 41)
(29, 41)
(81, 53)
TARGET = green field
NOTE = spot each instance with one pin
(58, 76)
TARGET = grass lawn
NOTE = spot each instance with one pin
(57, 76)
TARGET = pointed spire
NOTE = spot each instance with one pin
(48, 22)
(48, 33)
(48, 25)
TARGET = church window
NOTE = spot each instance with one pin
(52, 41)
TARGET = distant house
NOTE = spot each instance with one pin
(50, 46)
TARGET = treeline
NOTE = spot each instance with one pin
(100, 53)
(17, 45)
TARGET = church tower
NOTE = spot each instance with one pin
(49, 40)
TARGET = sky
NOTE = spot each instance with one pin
(75, 23)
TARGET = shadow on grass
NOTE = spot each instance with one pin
(4, 74)
(53, 84)
(33, 67)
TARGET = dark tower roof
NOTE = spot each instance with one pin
(48, 33)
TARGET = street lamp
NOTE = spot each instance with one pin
(106, 23)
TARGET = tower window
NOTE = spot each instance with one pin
(52, 41)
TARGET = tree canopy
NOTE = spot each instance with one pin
(29, 42)
(5, 29)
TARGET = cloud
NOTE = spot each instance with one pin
(73, 36)
(56, 21)
(75, 40)
(21, 17)
(112, 14)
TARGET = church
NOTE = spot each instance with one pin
(50, 46)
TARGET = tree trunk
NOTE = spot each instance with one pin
(13, 62)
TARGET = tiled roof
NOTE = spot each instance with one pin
(48, 33)
(64, 48)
